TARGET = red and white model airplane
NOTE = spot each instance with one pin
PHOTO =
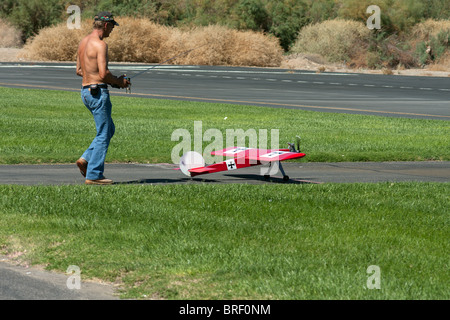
(192, 163)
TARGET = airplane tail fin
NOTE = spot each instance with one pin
(298, 143)
(295, 147)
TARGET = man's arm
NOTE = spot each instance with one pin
(105, 75)
(79, 70)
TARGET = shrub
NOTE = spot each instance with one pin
(139, 40)
(424, 31)
(219, 45)
(396, 16)
(10, 37)
(212, 43)
(57, 43)
(282, 18)
(434, 35)
(389, 52)
(255, 49)
(434, 49)
(336, 40)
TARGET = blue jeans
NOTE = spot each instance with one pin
(100, 106)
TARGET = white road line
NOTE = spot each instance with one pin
(187, 70)
(176, 68)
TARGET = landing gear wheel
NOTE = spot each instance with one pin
(286, 178)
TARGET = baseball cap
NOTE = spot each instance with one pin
(105, 16)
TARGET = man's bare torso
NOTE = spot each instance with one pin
(88, 52)
(92, 60)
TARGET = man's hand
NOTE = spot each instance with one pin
(123, 81)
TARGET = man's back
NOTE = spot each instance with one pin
(88, 51)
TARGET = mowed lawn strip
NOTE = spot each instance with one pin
(43, 126)
(238, 241)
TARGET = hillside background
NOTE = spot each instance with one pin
(332, 31)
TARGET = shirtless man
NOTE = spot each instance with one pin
(92, 65)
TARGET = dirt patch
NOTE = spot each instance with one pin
(10, 55)
(317, 63)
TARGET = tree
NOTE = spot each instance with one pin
(252, 14)
(287, 17)
(32, 15)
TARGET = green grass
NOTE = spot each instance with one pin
(238, 241)
(227, 241)
(39, 126)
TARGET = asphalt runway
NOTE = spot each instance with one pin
(384, 95)
(299, 173)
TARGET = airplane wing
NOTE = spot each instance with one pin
(231, 164)
(266, 155)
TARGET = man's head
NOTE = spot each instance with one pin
(105, 21)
